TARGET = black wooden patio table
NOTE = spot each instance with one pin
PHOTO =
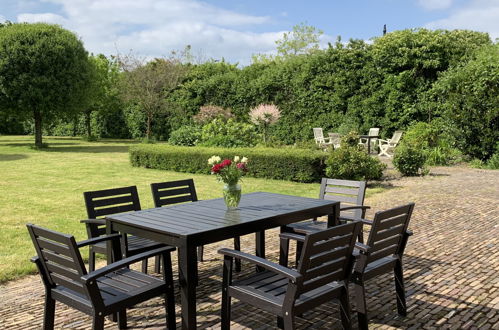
(369, 137)
(189, 225)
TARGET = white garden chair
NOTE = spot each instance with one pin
(320, 139)
(389, 145)
(373, 131)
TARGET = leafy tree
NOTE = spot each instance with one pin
(103, 88)
(468, 96)
(148, 84)
(44, 72)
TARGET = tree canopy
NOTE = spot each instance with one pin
(44, 72)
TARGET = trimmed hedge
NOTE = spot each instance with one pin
(281, 164)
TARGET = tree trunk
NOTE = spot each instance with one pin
(38, 128)
(87, 123)
(75, 125)
(149, 122)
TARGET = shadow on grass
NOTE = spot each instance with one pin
(88, 149)
(12, 157)
(32, 145)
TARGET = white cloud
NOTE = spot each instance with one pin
(479, 15)
(156, 27)
(435, 4)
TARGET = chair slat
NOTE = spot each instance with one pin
(318, 259)
(337, 182)
(391, 222)
(342, 190)
(390, 250)
(341, 198)
(331, 244)
(114, 209)
(58, 258)
(173, 192)
(325, 268)
(110, 192)
(54, 246)
(384, 234)
(380, 245)
(318, 282)
(51, 235)
(175, 200)
(70, 284)
(67, 272)
(112, 201)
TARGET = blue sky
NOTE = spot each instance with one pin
(236, 29)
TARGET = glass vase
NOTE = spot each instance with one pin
(232, 195)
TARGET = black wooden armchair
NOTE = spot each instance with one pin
(350, 194)
(323, 273)
(181, 191)
(383, 253)
(111, 201)
(106, 291)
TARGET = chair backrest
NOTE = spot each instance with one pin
(173, 192)
(327, 256)
(335, 139)
(397, 135)
(318, 135)
(347, 192)
(101, 203)
(373, 131)
(387, 231)
(60, 260)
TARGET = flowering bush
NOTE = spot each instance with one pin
(228, 171)
(209, 112)
(265, 115)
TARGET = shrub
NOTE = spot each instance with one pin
(229, 134)
(351, 139)
(185, 136)
(352, 163)
(409, 160)
(493, 162)
(209, 112)
(281, 164)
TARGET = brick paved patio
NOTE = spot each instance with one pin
(451, 268)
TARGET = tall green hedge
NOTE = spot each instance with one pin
(282, 164)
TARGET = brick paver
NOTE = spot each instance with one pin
(451, 268)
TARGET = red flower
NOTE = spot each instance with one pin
(241, 166)
(216, 168)
(226, 162)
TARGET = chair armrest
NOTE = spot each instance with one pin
(354, 207)
(97, 240)
(34, 259)
(366, 222)
(409, 232)
(364, 249)
(384, 141)
(123, 263)
(292, 275)
(94, 221)
(296, 237)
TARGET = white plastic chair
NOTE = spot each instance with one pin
(389, 145)
(320, 139)
(373, 131)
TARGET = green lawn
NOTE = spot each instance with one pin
(46, 188)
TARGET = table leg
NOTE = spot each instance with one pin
(188, 274)
(260, 247)
(333, 219)
(368, 146)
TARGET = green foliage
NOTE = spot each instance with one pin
(281, 164)
(493, 162)
(350, 140)
(228, 134)
(469, 99)
(185, 136)
(409, 160)
(44, 73)
(353, 163)
(435, 142)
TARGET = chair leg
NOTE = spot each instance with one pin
(360, 299)
(280, 322)
(48, 316)
(91, 260)
(169, 296)
(237, 246)
(98, 322)
(122, 319)
(346, 318)
(144, 266)
(299, 247)
(399, 288)
(226, 281)
(200, 253)
(289, 322)
(157, 265)
(284, 252)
